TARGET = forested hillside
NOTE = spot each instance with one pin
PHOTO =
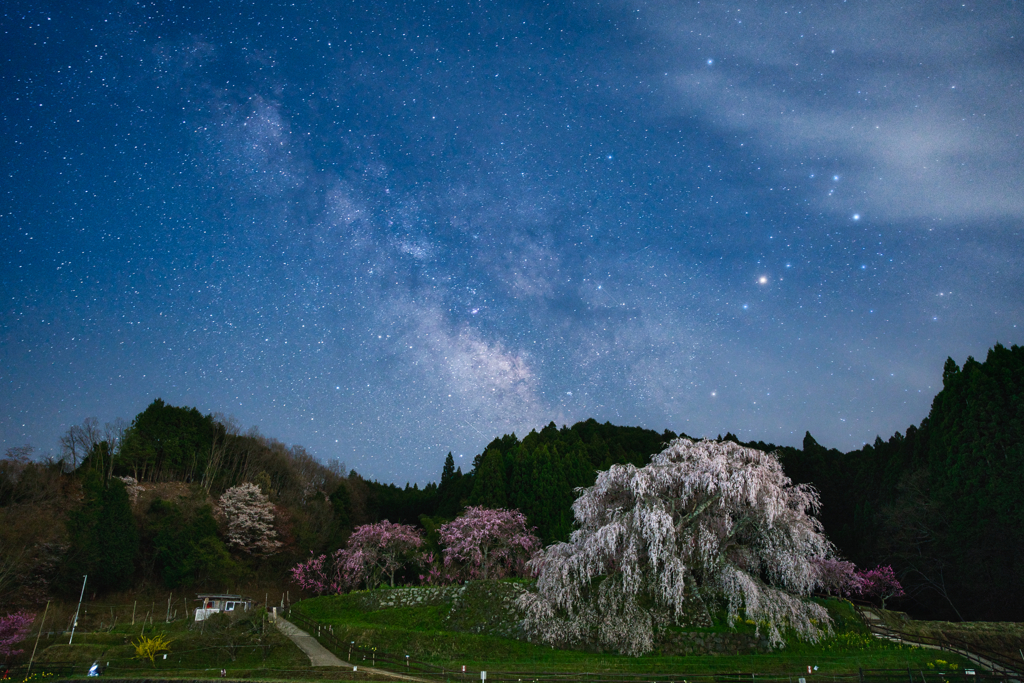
(943, 502)
(140, 504)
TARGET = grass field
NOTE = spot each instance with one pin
(249, 648)
(423, 633)
(246, 648)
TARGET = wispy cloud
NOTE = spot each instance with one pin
(911, 106)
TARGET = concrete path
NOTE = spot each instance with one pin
(317, 653)
(879, 629)
(321, 656)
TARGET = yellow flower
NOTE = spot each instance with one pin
(148, 648)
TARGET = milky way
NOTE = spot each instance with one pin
(389, 230)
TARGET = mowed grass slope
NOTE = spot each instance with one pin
(246, 648)
(426, 632)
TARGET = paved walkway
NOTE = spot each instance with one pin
(879, 629)
(317, 653)
(321, 656)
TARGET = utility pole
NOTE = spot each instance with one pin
(75, 623)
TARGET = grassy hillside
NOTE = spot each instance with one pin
(453, 632)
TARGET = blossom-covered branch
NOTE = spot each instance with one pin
(704, 522)
(250, 518)
(880, 583)
(13, 629)
(485, 543)
(377, 550)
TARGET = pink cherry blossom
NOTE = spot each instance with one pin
(13, 629)
(880, 583)
(377, 550)
(488, 544)
(837, 577)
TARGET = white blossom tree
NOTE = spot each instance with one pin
(706, 523)
(132, 486)
(250, 517)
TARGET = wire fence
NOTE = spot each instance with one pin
(404, 664)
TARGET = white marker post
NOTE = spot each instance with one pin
(74, 624)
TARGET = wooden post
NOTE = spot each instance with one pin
(134, 605)
(41, 624)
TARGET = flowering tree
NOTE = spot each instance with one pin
(705, 521)
(250, 519)
(132, 486)
(13, 629)
(375, 551)
(320, 574)
(488, 543)
(438, 574)
(837, 577)
(880, 583)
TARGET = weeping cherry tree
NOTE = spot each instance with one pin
(707, 525)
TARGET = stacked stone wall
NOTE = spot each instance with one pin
(489, 607)
(699, 643)
(420, 596)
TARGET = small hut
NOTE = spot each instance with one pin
(214, 603)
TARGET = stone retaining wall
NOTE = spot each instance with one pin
(489, 607)
(408, 597)
(681, 644)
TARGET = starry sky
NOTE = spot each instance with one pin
(389, 230)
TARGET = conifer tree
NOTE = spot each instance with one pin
(489, 482)
(103, 538)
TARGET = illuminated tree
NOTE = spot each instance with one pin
(375, 551)
(880, 583)
(250, 518)
(321, 574)
(838, 577)
(486, 543)
(704, 523)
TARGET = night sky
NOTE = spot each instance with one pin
(387, 230)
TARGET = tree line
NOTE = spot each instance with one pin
(938, 502)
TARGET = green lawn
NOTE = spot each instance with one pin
(420, 632)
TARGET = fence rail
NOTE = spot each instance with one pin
(982, 657)
(404, 664)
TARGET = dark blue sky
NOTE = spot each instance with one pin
(389, 230)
